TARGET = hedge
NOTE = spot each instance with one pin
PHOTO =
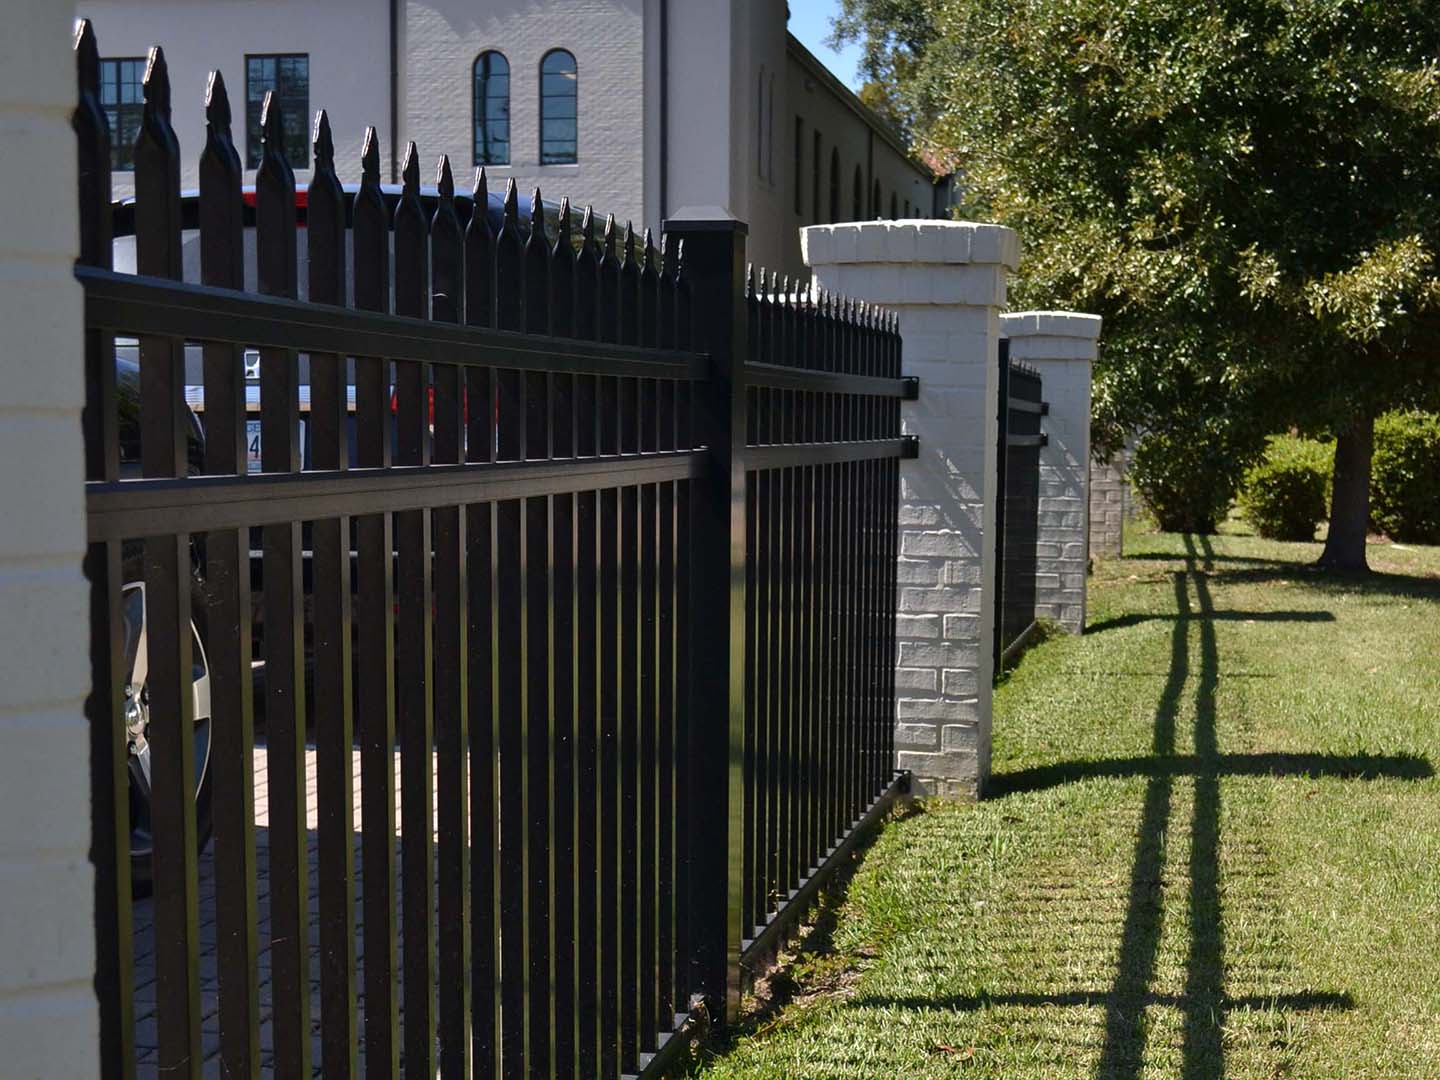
(1283, 494)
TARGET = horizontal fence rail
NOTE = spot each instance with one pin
(491, 714)
(1018, 504)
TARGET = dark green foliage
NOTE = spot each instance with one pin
(1283, 495)
(1405, 477)
(1188, 473)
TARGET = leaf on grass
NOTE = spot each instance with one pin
(954, 1051)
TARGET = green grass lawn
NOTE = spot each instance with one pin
(1212, 849)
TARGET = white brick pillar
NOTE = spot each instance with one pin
(49, 1021)
(1061, 345)
(946, 279)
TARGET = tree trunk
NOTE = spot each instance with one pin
(1350, 498)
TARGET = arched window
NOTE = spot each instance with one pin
(770, 133)
(492, 109)
(760, 124)
(907, 209)
(875, 201)
(834, 185)
(894, 207)
(815, 179)
(857, 201)
(559, 114)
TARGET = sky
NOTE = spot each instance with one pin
(810, 22)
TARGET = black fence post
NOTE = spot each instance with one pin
(715, 270)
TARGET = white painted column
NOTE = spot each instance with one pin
(946, 280)
(49, 1020)
(1061, 345)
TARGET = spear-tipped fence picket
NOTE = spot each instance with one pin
(600, 543)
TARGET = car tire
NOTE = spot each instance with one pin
(142, 870)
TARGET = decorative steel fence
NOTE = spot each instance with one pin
(1017, 506)
(574, 640)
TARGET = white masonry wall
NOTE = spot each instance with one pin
(1107, 506)
(946, 281)
(1061, 345)
(48, 1015)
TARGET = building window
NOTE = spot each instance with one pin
(834, 184)
(760, 124)
(857, 202)
(492, 109)
(559, 112)
(799, 165)
(288, 75)
(123, 99)
(875, 201)
(894, 207)
(770, 134)
(907, 208)
(815, 179)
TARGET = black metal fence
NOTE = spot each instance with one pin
(1017, 505)
(598, 546)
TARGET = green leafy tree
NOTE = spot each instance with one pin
(1247, 190)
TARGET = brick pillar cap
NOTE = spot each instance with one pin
(917, 241)
(1067, 324)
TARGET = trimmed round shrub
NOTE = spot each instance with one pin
(1405, 477)
(1187, 475)
(1283, 494)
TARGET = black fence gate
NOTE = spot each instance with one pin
(1017, 504)
(566, 660)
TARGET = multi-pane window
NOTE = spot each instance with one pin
(857, 200)
(288, 75)
(799, 165)
(834, 186)
(815, 179)
(492, 109)
(559, 116)
(123, 100)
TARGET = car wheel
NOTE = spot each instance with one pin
(135, 718)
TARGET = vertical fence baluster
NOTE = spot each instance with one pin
(539, 722)
(588, 814)
(648, 714)
(334, 719)
(479, 409)
(284, 632)
(451, 644)
(564, 650)
(167, 577)
(511, 651)
(109, 757)
(414, 643)
(666, 719)
(375, 640)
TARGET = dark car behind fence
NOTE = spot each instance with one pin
(622, 604)
(1017, 504)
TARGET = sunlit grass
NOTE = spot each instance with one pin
(1213, 849)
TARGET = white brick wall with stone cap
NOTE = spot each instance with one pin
(1062, 346)
(946, 282)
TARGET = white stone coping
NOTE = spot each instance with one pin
(911, 241)
(1055, 324)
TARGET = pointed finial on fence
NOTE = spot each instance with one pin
(537, 214)
(272, 127)
(749, 281)
(87, 57)
(587, 229)
(217, 103)
(785, 297)
(648, 260)
(157, 84)
(629, 244)
(480, 194)
(370, 157)
(511, 212)
(322, 142)
(445, 179)
(774, 286)
(609, 236)
(562, 224)
(410, 170)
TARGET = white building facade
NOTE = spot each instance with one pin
(638, 107)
